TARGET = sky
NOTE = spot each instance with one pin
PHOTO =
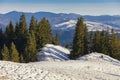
(83, 7)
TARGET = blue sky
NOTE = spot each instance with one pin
(59, 1)
(84, 7)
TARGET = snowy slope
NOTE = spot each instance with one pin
(100, 58)
(88, 67)
(53, 53)
(92, 26)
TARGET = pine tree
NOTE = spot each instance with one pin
(5, 53)
(33, 25)
(1, 38)
(67, 46)
(9, 34)
(21, 34)
(1, 42)
(96, 47)
(55, 40)
(115, 45)
(14, 55)
(44, 35)
(80, 43)
(30, 49)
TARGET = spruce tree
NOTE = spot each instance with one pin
(14, 55)
(96, 47)
(9, 34)
(80, 44)
(115, 46)
(44, 35)
(1, 38)
(5, 53)
(30, 49)
(1, 41)
(33, 25)
(55, 40)
(21, 32)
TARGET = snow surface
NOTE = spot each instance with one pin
(92, 26)
(53, 53)
(94, 66)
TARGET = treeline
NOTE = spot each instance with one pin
(20, 43)
(106, 42)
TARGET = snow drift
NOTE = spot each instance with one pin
(53, 53)
(94, 66)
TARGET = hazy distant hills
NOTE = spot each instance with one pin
(64, 23)
(58, 18)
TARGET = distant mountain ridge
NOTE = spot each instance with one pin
(64, 24)
(55, 18)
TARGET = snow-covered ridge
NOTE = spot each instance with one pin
(92, 26)
(53, 53)
(99, 57)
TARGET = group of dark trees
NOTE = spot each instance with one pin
(106, 42)
(20, 43)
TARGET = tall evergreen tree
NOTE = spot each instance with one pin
(21, 34)
(9, 34)
(44, 35)
(1, 41)
(5, 53)
(30, 49)
(1, 38)
(14, 55)
(80, 44)
(33, 25)
(96, 47)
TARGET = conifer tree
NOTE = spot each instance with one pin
(67, 46)
(96, 47)
(14, 55)
(30, 49)
(9, 34)
(114, 50)
(33, 25)
(44, 35)
(1, 38)
(21, 34)
(5, 53)
(80, 44)
(55, 40)
(1, 41)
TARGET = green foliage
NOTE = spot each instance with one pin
(44, 35)
(103, 42)
(1, 42)
(5, 53)
(30, 49)
(14, 55)
(80, 43)
(55, 40)
(9, 34)
(21, 34)
(33, 25)
(67, 46)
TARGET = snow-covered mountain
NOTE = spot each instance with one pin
(53, 53)
(94, 66)
(92, 26)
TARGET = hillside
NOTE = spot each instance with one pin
(89, 67)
